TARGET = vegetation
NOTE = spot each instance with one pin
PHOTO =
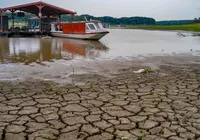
(17, 24)
(112, 20)
(178, 22)
(189, 27)
(174, 22)
(196, 20)
(148, 71)
(19, 19)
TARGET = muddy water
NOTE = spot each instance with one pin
(119, 43)
(57, 58)
(28, 50)
(128, 43)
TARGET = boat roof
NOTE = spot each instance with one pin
(77, 22)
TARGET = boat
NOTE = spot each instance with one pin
(87, 30)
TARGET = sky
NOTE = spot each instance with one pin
(158, 9)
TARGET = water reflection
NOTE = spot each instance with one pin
(121, 43)
(28, 50)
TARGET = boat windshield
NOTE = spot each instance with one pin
(87, 27)
(100, 25)
(91, 26)
(94, 26)
(97, 25)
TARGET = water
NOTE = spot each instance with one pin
(118, 43)
(142, 42)
(30, 50)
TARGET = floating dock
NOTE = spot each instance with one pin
(39, 25)
(23, 34)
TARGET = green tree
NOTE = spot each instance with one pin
(196, 20)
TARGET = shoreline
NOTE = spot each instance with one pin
(61, 71)
(182, 31)
(175, 28)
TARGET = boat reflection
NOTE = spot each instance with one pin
(28, 50)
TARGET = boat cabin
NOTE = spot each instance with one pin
(78, 27)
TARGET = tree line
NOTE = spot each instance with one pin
(174, 22)
(130, 20)
(196, 20)
(112, 20)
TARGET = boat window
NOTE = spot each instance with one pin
(100, 25)
(97, 25)
(91, 26)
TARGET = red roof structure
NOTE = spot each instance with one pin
(39, 9)
(46, 9)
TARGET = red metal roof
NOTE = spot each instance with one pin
(47, 10)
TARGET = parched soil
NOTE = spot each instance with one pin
(160, 105)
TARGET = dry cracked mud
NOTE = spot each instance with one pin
(163, 105)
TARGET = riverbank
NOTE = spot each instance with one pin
(189, 27)
(110, 102)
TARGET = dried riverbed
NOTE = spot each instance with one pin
(160, 105)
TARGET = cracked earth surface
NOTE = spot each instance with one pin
(158, 106)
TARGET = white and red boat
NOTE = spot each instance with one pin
(92, 30)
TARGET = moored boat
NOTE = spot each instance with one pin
(92, 30)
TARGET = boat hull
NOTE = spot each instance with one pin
(89, 36)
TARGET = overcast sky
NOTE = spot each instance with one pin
(158, 9)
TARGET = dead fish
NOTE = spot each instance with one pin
(139, 71)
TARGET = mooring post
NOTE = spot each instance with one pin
(13, 20)
(59, 18)
(2, 12)
(40, 16)
(72, 18)
(1, 20)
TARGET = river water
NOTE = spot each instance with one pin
(119, 43)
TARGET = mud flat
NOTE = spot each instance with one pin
(109, 103)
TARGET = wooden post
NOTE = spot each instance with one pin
(59, 18)
(13, 20)
(1, 21)
(72, 18)
(40, 16)
(48, 26)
